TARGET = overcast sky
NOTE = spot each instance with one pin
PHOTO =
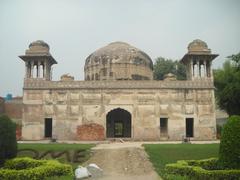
(75, 28)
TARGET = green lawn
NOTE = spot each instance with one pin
(162, 154)
(56, 148)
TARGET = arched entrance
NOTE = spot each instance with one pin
(118, 123)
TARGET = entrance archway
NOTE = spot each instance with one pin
(118, 123)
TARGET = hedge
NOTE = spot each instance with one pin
(229, 151)
(202, 169)
(208, 164)
(8, 142)
(31, 169)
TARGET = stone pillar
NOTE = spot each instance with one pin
(38, 69)
(94, 72)
(26, 70)
(210, 69)
(191, 69)
(205, 68)
(45, 70)
(29, 70)
(32, 69)
(198, 69)
(50, 72)
(41, 69)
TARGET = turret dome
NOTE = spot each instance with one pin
(198, 46)
(38, 47)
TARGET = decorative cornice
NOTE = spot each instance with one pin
(38, 84)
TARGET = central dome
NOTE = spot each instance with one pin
(119, 61)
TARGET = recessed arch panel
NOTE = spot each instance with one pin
(118, 123)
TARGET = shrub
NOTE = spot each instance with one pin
(23, 163)
(209, 164)
(194, 169)
(27, 168)
(175, 177)
(8, 143)
(219, 131)
(229, 152)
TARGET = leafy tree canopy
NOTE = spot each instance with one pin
(164, 66)
(227, 83)
(236, 59)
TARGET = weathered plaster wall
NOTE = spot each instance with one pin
(71, 108)
(118, 71)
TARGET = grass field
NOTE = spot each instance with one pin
(162, 154)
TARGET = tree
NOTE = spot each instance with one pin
(229, 151)
(227, 83)
(164, 66)
(8, 143)
(236, 59)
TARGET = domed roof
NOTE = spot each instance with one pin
(119, 52)
(38, 47)
(198, 46)
(39, 43)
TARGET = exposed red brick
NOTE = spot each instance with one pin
(18, 132)
(14, 109)
(90, 132)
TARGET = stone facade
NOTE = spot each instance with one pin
(126, 108)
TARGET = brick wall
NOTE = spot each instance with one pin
(90, 132)
(18, 132)
(13, 108)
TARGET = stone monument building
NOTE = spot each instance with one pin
(118, 98)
